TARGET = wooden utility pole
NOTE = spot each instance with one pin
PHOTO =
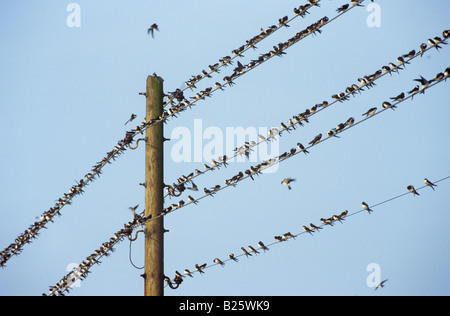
(154, 193)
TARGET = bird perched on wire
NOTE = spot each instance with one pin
(133, 116)
(366, 207)
(262, 246)
(152, 29)
(370, 112)
(429, 183)
(200, 268)
(412, 190)
(245, 252)
(218, 261)
(315, 140)
(287, 182)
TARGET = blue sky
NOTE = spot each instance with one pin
(65, 94)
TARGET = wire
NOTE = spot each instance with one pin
(244, 149)
(16, 248)
(138, 221)
(251, 44)
(274, 161)
(330, 220)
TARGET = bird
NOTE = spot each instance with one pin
(434, 44)
(423, 48)
(366, 207)
(307, 230)
(302, 148)
(412, 190)
(370, 112)
(200, 268)
(208, 192)
(245, 252)
(232, 257)
(350, 121)
(287, 182)
(387, 105)
(429, 183)
(187, 272)
(178, 274)
(288, 235)
(218, 261)
(315, 140)
(253, 250)
(381, 284)
(152, 28)
(133, 210)
(425, 83)
(399, 98)
(262, 246)
(192, 200)
(314, 227)
(133, 116)
(414, 91)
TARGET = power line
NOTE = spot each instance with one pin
(255, 170)
(329, 221)
(106, 248)
(32, 232)
(367, 81)
(227, 60)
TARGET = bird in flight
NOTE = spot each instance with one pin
(381, 284)
(133, 116)
(152, 29)
(287, 182)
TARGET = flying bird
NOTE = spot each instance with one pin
(425, 83)
(133, 116)
(429, 183)
(152, 29)
(381, 284)
(287, 182)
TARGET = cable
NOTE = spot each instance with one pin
(15, 248)
(305, 116)
(254, 170)
(330, 221)
(224, 62)
(138, 221)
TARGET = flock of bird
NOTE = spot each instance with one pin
(256, 170)
(183, 104)
(83, 269)
(367, 81)
(32, 232)
(305, 229)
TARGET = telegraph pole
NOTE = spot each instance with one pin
(154, 192)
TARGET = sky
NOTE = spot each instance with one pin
(66, 93)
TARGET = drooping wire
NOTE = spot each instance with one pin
(367, 81)
(329, 221)
(16, 247)
(138, 221)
